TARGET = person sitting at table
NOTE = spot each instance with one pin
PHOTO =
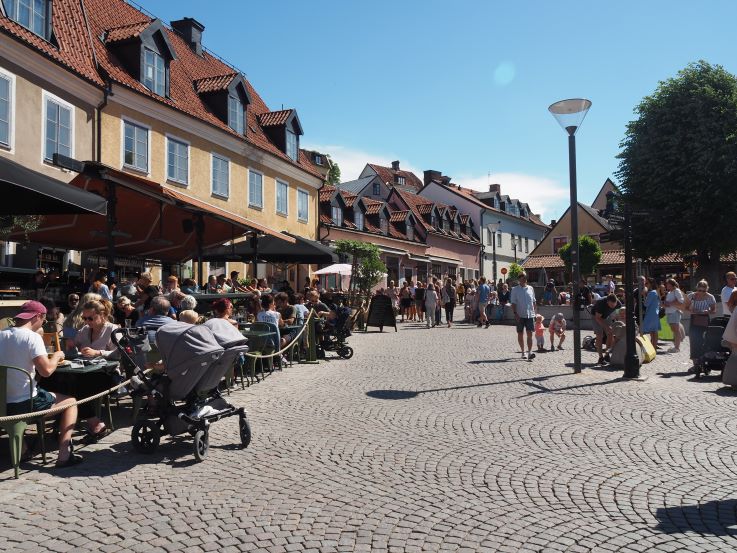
(287, 312)
(22, 347)
(72, 303)
(144, 280)
(212, 285)
(268, 314)
(124, 311)
(189, 286)
(235, 285)
(74, 321)
(94, 340)
(300, 308)
(171, 285)
(321, 310)
(99, 286)
(187, 302)
(54, 316)
(263, 287)
(223, 309)
(156, 317)
(189, 316)
(222, 285)
(175, 299)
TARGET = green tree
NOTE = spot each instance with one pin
(678, 167)
(515, 270)
(366, 265)
(334, 173)
(589, 255)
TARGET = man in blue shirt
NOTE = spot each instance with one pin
(484, 291)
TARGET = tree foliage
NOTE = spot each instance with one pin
(334, 173)
(515, 270)
(367, 267)
(589, 254)
(678, 164)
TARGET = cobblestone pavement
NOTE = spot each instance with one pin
(427, 440)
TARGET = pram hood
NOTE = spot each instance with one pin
(225, 333)
(184, 345)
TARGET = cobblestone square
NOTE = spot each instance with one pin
(427, 440)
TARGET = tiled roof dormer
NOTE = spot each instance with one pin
(227, 97)
(284, 129)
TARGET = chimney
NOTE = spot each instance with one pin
(191, 31)
(445, 180)
(495, 188)
(395, 165)
(430, 175)
(552, 222)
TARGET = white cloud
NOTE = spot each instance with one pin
(545, 196)
(352, 161)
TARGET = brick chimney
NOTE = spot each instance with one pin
(395, 165)
(430, 175)
(495, 188)
(445, 180)
(191, 31)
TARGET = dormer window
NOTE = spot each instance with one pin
(154, 72)
(358, 219)
(410, 232)
(318, 159)
(433, 221)
(377, 189)
(34, 15)
(456, 228)
(337, 216)
(400, 180)
(236, 114)
(446, 225)
(384, 225)
(291, 145)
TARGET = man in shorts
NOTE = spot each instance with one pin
(483, 293)
(601, 311)
(22, 346)
(523, 306)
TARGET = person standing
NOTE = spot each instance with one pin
(651, 318)
(449, 300)
(483, 292)
(523, 302)
(730, 287)
(420, 301)
(673, 304)
(431, 299)
(700, 304)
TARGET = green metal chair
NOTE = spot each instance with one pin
(16, 429)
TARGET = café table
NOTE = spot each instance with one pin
(71, 376)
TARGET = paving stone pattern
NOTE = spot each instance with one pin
(427, 440)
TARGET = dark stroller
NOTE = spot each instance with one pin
(714, 356)
(332, 336)
(184, 397)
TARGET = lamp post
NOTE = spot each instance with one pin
(570, 114)
(516, 245)
(493, 229)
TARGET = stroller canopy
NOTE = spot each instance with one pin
(225, 333)
(183, 345)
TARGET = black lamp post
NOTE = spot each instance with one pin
(493, 229)
(570, 114)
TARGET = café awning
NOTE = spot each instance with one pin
(151, 220)
(271, 249)
(27, 192)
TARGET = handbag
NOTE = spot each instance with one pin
(700, 320)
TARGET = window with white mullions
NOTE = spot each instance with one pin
(303, 202)
(135, 147)
(255, 189)
(154, 72)
(220, 176)
(358, 219)
(236, 115)
(177, 167)
(337, 216)
(32, 14)
(58, 139)
(292, 145)
(5, 110)
(282, 197)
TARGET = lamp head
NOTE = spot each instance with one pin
(570, 113)
(494, 227)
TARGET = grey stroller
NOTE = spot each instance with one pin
(185, 397)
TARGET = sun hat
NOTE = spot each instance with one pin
(30, 309)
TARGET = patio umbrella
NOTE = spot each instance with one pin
(335, 269)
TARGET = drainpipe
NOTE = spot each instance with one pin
(106, 93)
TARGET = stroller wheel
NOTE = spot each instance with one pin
(346, 352)
(145, 436)
(245, 429)
(201, 444)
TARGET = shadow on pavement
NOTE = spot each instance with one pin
(409, 394)
(715, 518)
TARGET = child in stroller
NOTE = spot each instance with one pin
(714, 355)
(184, 397)
(332, 334)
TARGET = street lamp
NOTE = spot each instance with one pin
(493, 229)
(516, 246)
(570, 114)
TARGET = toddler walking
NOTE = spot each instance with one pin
(540, 332)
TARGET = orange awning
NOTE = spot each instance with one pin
(153, 221)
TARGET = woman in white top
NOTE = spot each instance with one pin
(674, 301)
(701, 304)
(730, 333)
(431, 301)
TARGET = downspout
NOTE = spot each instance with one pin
(106, 93)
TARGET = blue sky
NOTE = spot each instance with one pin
(463, 87)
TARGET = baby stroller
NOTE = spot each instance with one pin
(333, 334)
(184, 397)
(715, 355)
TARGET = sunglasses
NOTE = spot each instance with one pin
(88, 318)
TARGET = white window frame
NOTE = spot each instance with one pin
(358, 215)
(123, 164)
(253, 204)
(238, 125)
(166, 160)
(45, 98)
(306, 195)
(10, 146)
(289, 133)
(384, 226)
(44, 34)
(276, 197)
(410, 232)
(154, 80)
(499, 240)
(401, 181)
(221, 157)
(336, 215)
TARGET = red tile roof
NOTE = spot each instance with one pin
(387, 174)
(398, 216)
(349, 198)
(608, 257)
(326, 192)
(121, 21)
(372, 206)
(213, 84)
(275, 118)
(421, 206)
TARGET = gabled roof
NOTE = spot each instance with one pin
(372, 206)
(399, 216)
(355, 186)
(214, 83)
(421, 206)
(597, 217)
(281, 118)
(387, 174)
(326, 193)
(79, 50)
